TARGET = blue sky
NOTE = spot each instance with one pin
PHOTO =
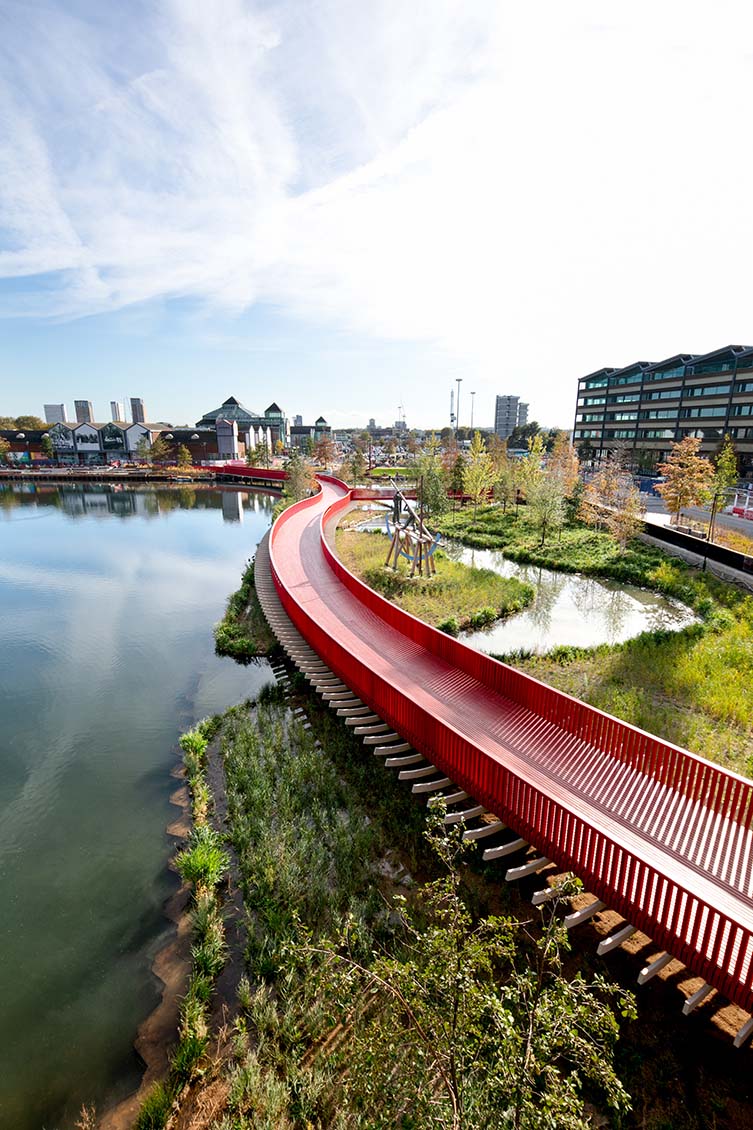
(346, 206)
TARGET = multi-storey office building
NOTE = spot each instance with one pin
(644, 408)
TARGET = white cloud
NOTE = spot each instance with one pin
(538, 190)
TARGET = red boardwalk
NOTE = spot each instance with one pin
(660, 835)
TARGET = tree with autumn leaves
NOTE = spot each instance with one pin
(688, 477)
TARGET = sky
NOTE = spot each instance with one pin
(346, 206)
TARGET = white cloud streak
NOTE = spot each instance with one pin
(536, 189)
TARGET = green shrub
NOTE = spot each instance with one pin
(156, 1107)
(209, 956)
(484, 617)
(187, 1056)
(204, 862)
(450, 626)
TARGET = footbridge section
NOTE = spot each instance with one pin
(654, 832)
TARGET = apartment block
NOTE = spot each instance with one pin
(84, 411)
(55, 414)
(509, 413)
(646, 407)
(138, 412)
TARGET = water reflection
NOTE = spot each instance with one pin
(569, 609)
(107, 600)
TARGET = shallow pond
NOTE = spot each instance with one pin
(107, 600)
(569, 608)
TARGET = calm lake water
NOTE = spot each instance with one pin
(107, 600)
(569, 609)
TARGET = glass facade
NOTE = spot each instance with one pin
(684, 395)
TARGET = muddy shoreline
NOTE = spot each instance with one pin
(172, 966)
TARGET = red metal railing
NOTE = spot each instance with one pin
(596, 795)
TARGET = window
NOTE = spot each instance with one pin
(700, 413)
(662, 394)
(707, 390)
(595, 400)
(620, 433)
(623, 398)
(657, 433)
(676, 372)
(596, 382)
(627, 379)
(741, 410)
(621, 416)
(712, 367)
(658, 414)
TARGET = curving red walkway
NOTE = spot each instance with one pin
(660, 835)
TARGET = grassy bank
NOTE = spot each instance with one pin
(202, 864)
(243, 632)
(323, 836)
(689, 687)
(459, 596)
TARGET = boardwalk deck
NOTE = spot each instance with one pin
(658, 834)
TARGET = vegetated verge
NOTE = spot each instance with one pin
(243, 632)
(689, 687)
(358, 974)
(459, 596)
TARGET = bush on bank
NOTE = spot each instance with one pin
(243, 632)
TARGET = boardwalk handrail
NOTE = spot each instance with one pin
(689, 911)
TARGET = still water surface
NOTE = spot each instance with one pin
(569, 609)
(107, 600)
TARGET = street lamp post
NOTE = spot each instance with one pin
(472, 403)
(458, 382)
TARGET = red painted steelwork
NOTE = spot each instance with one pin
(657, 833)
(243, 471)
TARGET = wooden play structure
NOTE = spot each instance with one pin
(410, 538)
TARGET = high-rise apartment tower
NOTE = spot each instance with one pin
(116, 412)
(55, 414)
(137, 410)
(84, 411)
(509, 413)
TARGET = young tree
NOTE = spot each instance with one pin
(474, 1023)
(563, 463)
(611, 500)
(546, 504)
(156, 451)
(478, 476)
(46, 446)
(725, 470)
(725, 477)
(324, 452)
(432, 479)
(531, 466)
(183, 457)
(259, 456)
(4, 449)
(300, 481)
(457, 476)
(160, 450)
(688, 477)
